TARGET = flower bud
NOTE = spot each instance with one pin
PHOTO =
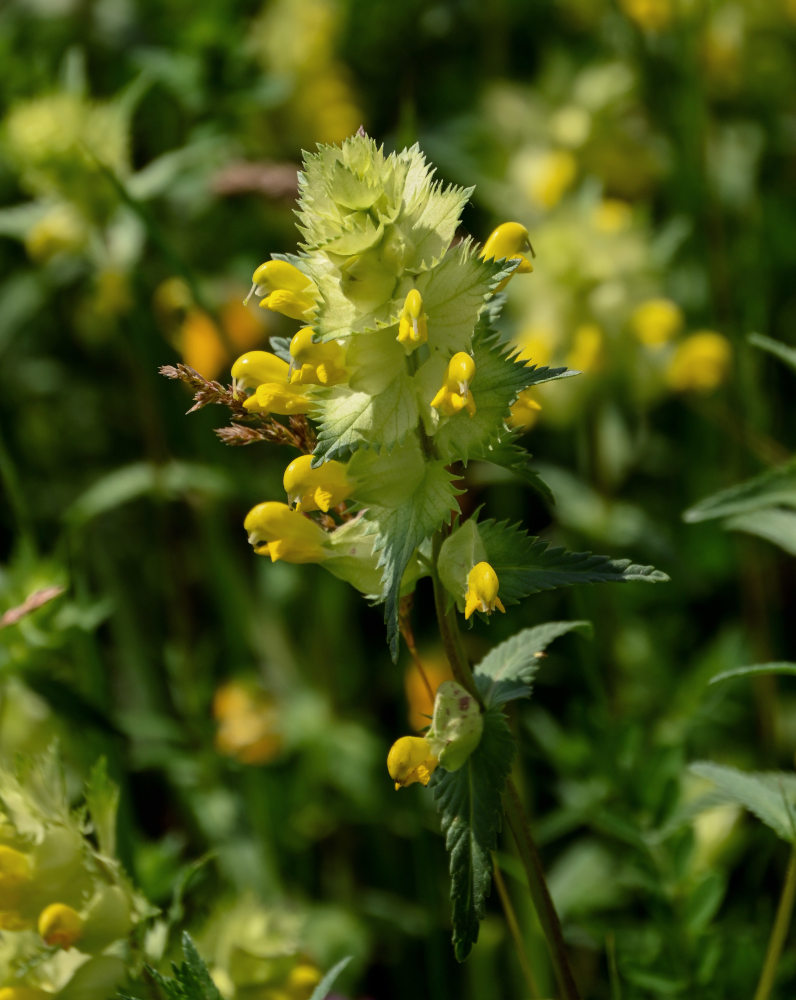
(482, 590)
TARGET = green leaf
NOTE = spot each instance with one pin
(775, 487)
(400, 530)
(497, 383)
(191, 980)
(321, 991)
(508, 670)
(387, 479)
(102, 799)
(528, 565)
(757, 668)
(775, 347)
(454, 293)
(771, 795)
(469, 804)
(460, 551)
(776, 525)
(348, 419)
(515, 459)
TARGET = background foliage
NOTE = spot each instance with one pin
(149, 158)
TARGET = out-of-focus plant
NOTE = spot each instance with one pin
(396, 374)
(69, 914)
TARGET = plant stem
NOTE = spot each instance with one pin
(514, 929)
(515, 815)
(546, 911)
(779, 931)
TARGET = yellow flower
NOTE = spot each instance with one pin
(257, 367)
(587, 348)
(413, 325)
(552, 175)
(650, 15)
(282, 288)
(410, 759)
(482, 590)
(524, 411)
(316, 364)
(277, 531)
(275, 397)
(315, 489)
(60, 925)
(510, 241)
(455, 395)
(14, 869)
(700, 363)
(656, 321)
(248, 723)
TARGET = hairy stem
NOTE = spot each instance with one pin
(779, 931)
(515, 815)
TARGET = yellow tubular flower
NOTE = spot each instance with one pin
(455, 395)
(277, 531)
(700, 363)
(316, 364)
(315, 489)
(282, 288)
(656, 321)
(482, 590)
(60, 925)
(510, 241)
(256, 367)
(278, 397)
(413, 325)
(410, 759)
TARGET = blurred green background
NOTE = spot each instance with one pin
(149, 157)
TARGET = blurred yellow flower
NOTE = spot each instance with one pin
(410, 760)
(700, 363)
(551, 176)
(586, 352)
(656, 321)
(524, 412)
(612, 215)
(421, 702)
(650, 15)
(248, 723)
(535, 345)
(60, 925)
(62, 230)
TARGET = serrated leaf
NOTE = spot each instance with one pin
(757, 668)
(508, 670)
(400, 530)
(191, 980)
(460, 551)
(387, 479)
(321, 991)
(348, 419)
(470, 808)
(775, 524)
(775, 487)
(528, 565)
(515, 459)
(775, 347)
(454, 293)
(770, 795)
